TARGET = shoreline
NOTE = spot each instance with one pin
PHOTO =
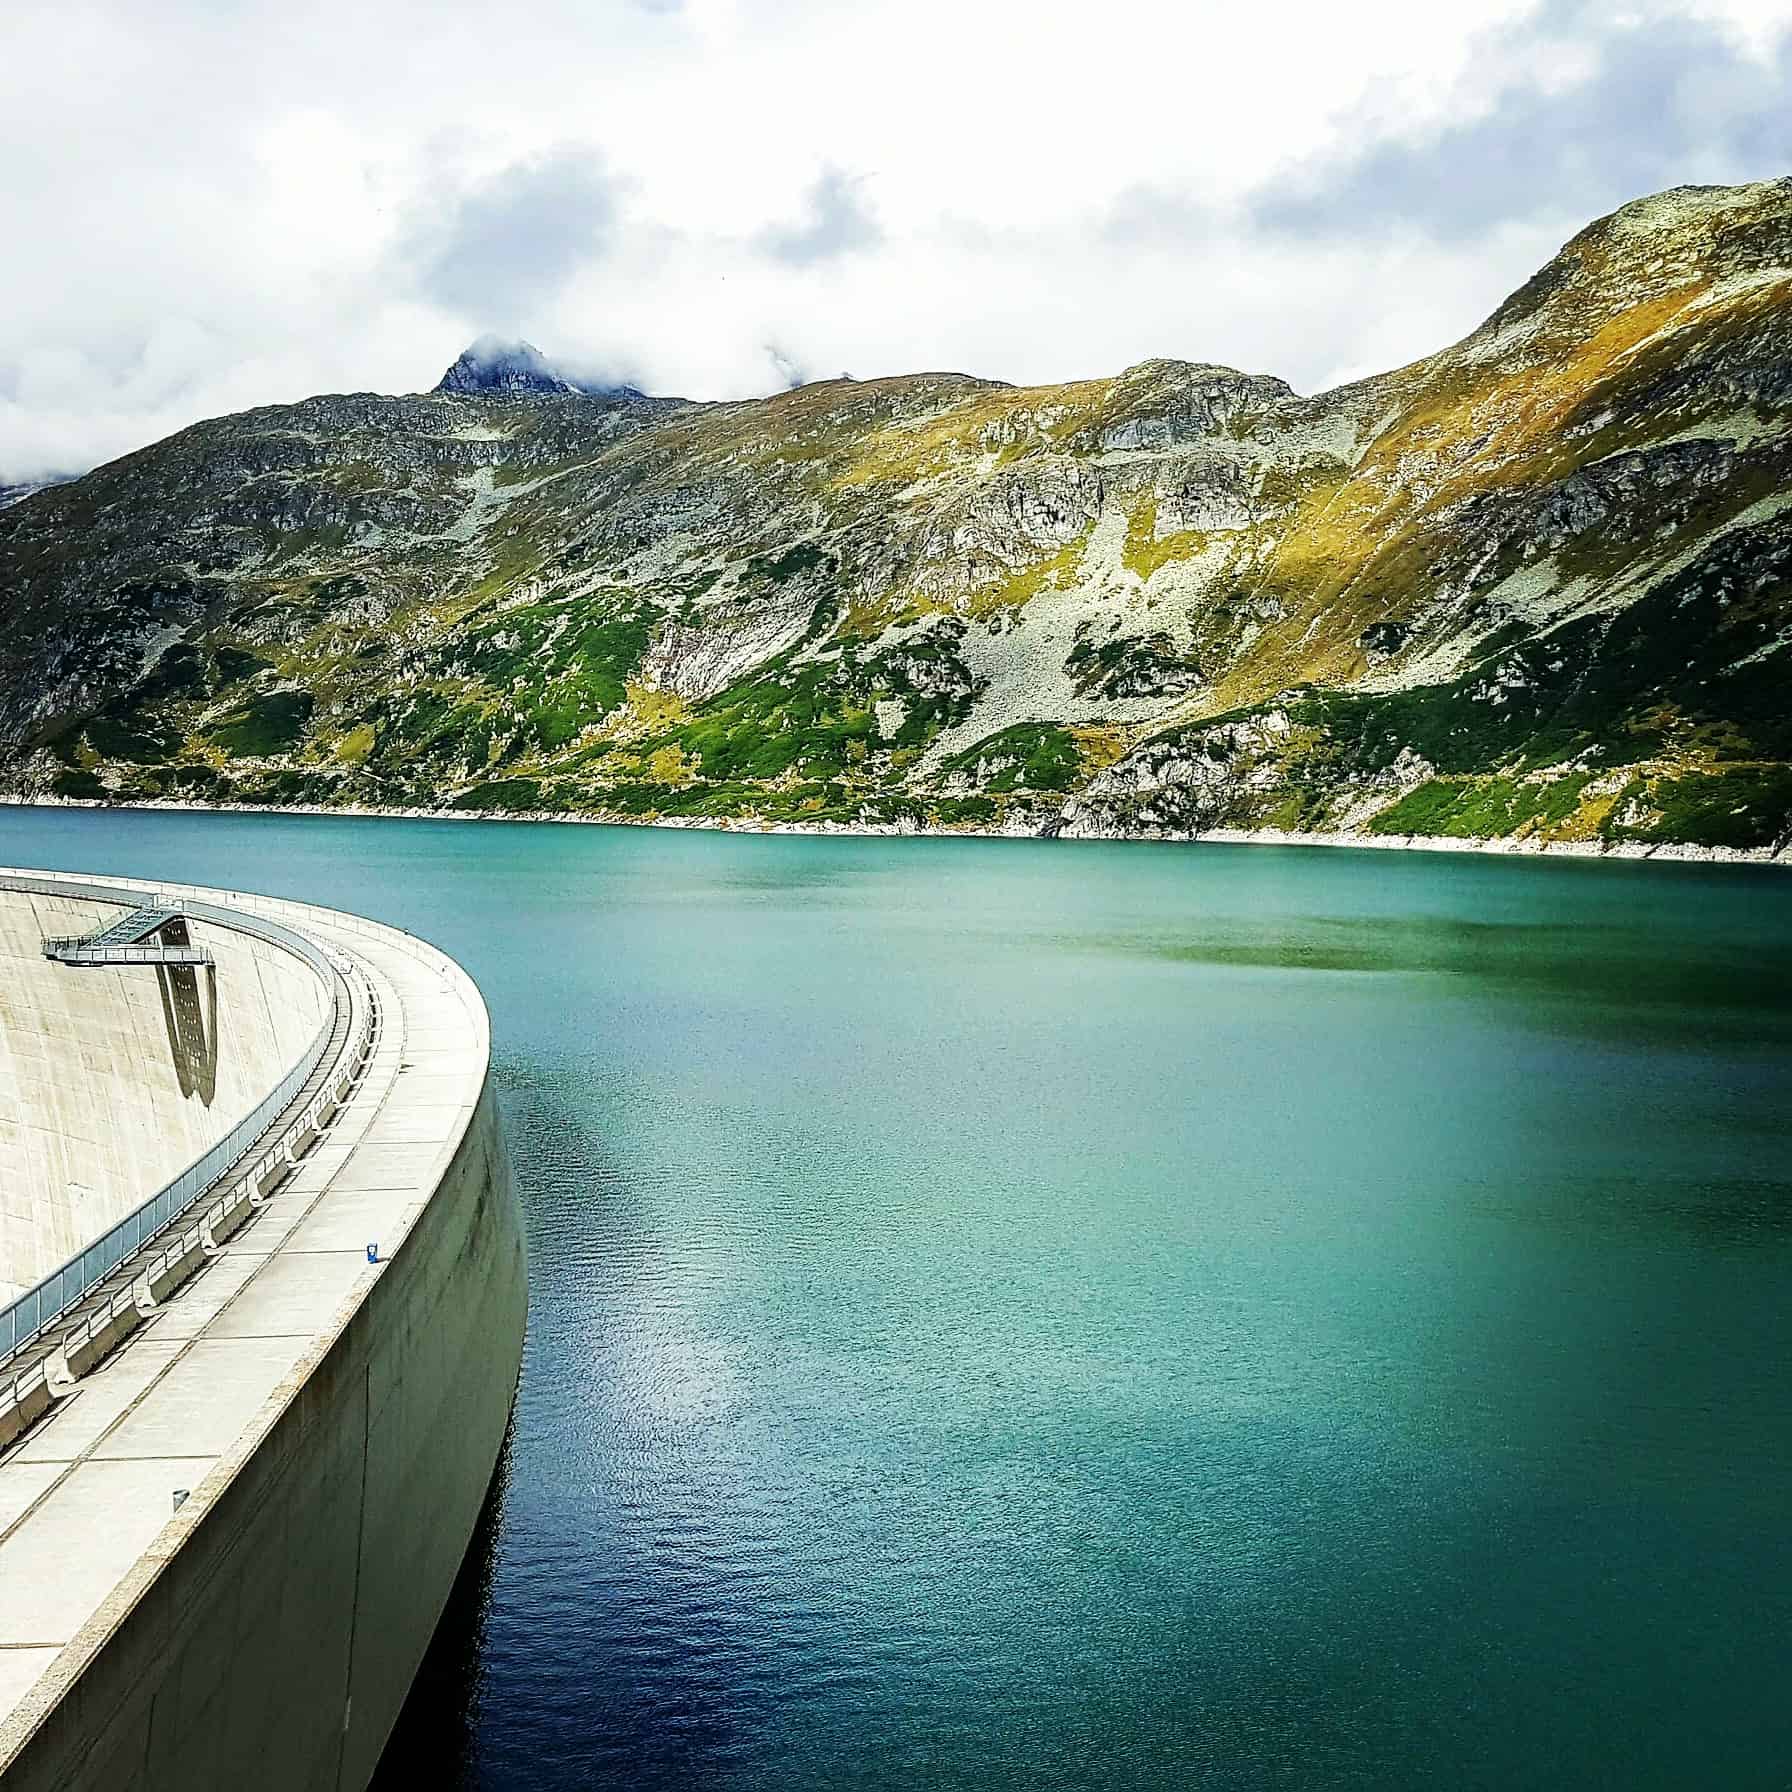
(1499, 846)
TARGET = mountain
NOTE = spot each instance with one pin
(1538, 585)
(493, 365)
(17, 494)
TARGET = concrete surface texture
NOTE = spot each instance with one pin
(113, 1081)
(333, 1421)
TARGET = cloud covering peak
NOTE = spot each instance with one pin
(493, 364)
(207, 209)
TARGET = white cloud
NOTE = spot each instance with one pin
(1570, 116)
(504, 245)
(836, 220)
(210, 207)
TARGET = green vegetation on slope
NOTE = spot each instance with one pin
(1537, 585)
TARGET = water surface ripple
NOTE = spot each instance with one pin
(1010, 1315)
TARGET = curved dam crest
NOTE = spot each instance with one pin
(109, 1087)
(225, 1546)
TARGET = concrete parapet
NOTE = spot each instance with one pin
(176, 1266)
(274, 1170)
(97, 1337)
(22, 1403)
(231, 1215)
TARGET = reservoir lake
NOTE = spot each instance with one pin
(1013, 1314)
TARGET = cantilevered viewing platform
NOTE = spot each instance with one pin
(153, 934)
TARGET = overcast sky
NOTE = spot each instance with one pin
(210, 204)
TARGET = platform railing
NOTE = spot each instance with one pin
(90, 956)
(42, 1305)
(134, 938)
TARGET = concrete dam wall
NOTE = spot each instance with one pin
(225, 1546)
(111, 1082)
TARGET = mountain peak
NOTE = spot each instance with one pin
(508, 364)
(497, 364)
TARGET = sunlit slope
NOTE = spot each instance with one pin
(1534, 584)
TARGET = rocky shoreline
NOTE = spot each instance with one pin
(1672, 853)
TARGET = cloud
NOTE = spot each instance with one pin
(1145, 215)
(836, 222)
(499, 249)
(1651, 101)
(790, 371)
(217, 210)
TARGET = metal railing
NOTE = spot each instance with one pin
(135, 938)
(243, 1190)
(45, 1303)
(74, 951)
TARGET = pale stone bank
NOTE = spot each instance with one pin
(239, 1472)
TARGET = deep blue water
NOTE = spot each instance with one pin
(1014, 1315)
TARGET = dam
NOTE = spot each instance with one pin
(262, 1301)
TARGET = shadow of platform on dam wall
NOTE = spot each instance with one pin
(432, 1744)
(192, 1023)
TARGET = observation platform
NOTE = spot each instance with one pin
(153, 934)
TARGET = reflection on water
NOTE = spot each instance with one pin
(1013, 1316)
(1598, 975)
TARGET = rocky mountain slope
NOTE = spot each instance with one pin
(1538, 584)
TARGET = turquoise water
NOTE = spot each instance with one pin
(1041, 1315)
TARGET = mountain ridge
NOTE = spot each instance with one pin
(1534, 586)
